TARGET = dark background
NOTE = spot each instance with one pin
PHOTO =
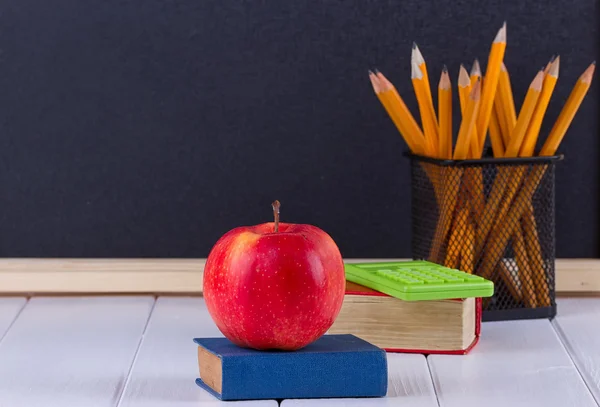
(148, 128)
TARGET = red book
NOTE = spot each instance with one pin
(427, 327)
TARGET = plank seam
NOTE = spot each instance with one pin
(135, 355)
(433, 377)
(562, 338)
(14, 320)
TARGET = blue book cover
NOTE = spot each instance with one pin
(332, 366)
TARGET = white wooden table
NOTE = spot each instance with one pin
(138, 351)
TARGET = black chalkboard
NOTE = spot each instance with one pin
(148, 128)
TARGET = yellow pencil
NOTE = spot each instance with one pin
(464, 89)
(505, 95)
(496, 137)
(491, 82)
(568, 112)
(474, 76)
(399, 114)
(405, 122)
(467, 123)
(427, 113)
(417, 56)
(525, 114)
(498, 110)
(445, 113)
(533, 130)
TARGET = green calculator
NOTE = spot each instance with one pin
(418, 280)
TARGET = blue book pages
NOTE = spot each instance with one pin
(333, 366)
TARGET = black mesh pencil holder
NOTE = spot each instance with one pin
(493, 218)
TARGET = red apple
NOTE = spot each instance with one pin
(274, 285)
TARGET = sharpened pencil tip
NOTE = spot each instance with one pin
(476, 69)
(444, 69)
(586, 76)
(463, 77)
(501, 36)
(445, 80)
(414, 46)
(417, 56)
(554, 67)
(538, 81)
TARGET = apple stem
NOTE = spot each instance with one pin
(276, 206)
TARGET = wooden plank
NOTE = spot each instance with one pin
(517, 363)
(9, 309)
(43, 276)
(577, 276)
(578, 326)
(71, 351)
(409, 384)
(167, 365)
(184, 276)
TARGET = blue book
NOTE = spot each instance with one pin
(332, 366)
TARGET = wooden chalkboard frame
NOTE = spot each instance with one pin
(184, 276)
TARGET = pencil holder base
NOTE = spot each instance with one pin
(516, 314)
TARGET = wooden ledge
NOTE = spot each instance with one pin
(184, 276)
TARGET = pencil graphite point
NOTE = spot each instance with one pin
(417, 56)
(444, 69)
(414, 46)
(445, 80)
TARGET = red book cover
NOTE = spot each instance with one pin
(355, 289)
